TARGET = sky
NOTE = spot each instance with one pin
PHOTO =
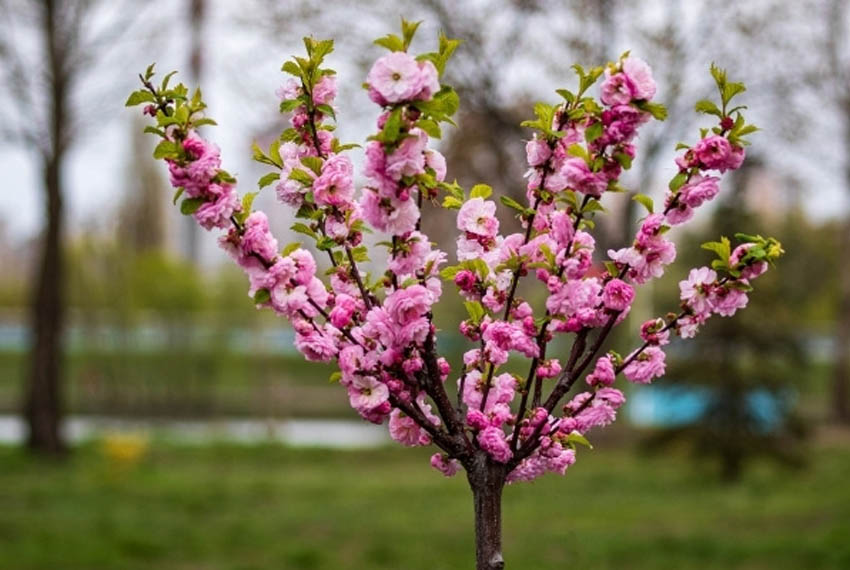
(98, 161)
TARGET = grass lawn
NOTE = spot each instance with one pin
(264, 507)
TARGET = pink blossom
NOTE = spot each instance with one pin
(335, 185)
(651, 332)
(727, 301)
(750, 271)
(537, 151)
(411, 257)
(699, 189)
(407, 305)
(645, 366)
(436, 162)
(408, 159)
(366, 393)
(216, 213)
(717, 153)
(492, 440)
(617, 295)
(344, 307)
(316, 347)
(603, 374)
(446, 466)
(679, 213)
(581, 178)
(289, 90)
(697, 289)
(478, 217)
(615, 89)
(257, 238)
(430, 79)
(204, 163)
(406, 431)
(325, 90)
(641, 82)
(391, 215)
(396, 77)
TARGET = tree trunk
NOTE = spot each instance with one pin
(840, 396)
(487, 480)
(841, 377)
(43, 403)
(42, 407)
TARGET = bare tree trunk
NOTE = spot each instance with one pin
(42, 407)
(841, 376)
(487, 480)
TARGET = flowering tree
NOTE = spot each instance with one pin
(500, 428)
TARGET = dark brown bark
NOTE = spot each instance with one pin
(841, 374)
(42, 406)
(487, 479)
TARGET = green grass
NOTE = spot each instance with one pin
(232, 507)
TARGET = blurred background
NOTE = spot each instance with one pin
(150, 416)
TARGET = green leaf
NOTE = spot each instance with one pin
(480, 191)
(511, 203)
(657, 110)
(325, 243)
(408, 30)
(291, 68)
(268, 179)
(166, 149)
(624, 159)
(335, 377)
(300, 176)
(177, 194)
(303, 229)
(611, 268)
(646, 201)
(722, 248)
(708, 107)
(314, 163)
(360, 254)
(452, 203)
(476, 311)
(593, 132)
(262, 296)
(448, 273)
(431, 127)
(190, 205)
(290, 248)
(290, 105)
(678, 181)
(391, 41)
(247, 202)
(577, 150)
(390, 132)
(575, 437)
(139, 97)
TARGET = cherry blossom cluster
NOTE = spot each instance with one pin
(380, 329)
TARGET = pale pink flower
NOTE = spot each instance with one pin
(696, 291)
(647, 365)
(366, 393)
(617, 295)
(396, 77)
(492, 440)
(478, 216)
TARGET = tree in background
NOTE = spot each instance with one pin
(46, 49)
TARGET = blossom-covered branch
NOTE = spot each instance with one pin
(380, 328)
